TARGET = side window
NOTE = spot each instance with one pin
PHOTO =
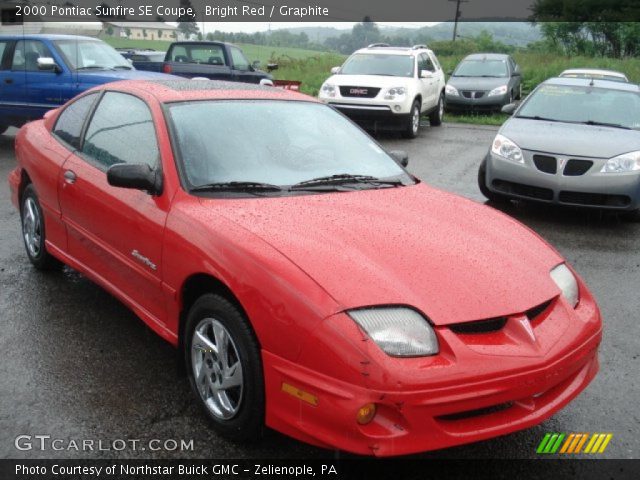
(178, 54)
(240, 62)
(68, 127)
(424, 63)
(27, 53)
(435, 61)
(121, 131)
(3, 48)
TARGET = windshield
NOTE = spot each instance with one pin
(278, 143)
(579, 104)
(481, 68)
(378, 64)
(91, 54)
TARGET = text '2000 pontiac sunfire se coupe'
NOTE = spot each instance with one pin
(312, 283)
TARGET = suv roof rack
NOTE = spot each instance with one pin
(373, 45)
(417, 47)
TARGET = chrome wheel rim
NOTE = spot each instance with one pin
(415, 120)
(31, 227)
(217, 368)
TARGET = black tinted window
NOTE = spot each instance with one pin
(121, 131)
(69, 125)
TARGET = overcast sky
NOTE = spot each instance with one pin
(250, 27)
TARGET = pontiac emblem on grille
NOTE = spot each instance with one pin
(562, 162)
(358, 91)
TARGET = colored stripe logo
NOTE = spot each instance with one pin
(574, 443)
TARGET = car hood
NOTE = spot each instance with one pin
(477, 83)
(449, 257)
(570, 139)
(379, 81)
(103, 76)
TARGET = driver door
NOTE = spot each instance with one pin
(116, 233)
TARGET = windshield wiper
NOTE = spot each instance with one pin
(123, 67)
(344, 178)
(606, 124)
(237, 187)
(537, 117)
(95, 67)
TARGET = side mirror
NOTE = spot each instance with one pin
(335, 70)
(47, 64)
(271, 67)
(426, 74)
(139, 176)
(400, 156)
(516, 73)
(256, 64)
(450, 72)
(509, 108)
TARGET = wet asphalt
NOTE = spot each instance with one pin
(76, 364)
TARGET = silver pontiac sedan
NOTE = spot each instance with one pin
(571, 142)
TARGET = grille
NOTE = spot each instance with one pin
(481, 326)
(523, 190)
(477, 412)
(361, 92)
(597, 199)
(575, 168)
(472, 94)
(545, 164)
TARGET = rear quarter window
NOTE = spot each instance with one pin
(68, 127)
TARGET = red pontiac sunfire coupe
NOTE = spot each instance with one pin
(312, 283)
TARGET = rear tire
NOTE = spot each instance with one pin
(437, 115)
(34, 233)
(482, 185)
(224, 367)
(413, 123)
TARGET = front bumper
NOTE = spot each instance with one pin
(448, 408)
(592, 189)
(373, 116)
(462, 103)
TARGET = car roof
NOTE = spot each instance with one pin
(596, 82)
(46, 36)
(486, 56)
(389, 50)
(180, 90)
(597, 71)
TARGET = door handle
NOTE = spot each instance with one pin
(70, 176)
(8, 80)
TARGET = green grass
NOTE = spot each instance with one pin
(312, 68)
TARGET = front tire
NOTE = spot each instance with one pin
(437, 115)
(413, 123)
(34, 233)
(225, 368)
(482, 185)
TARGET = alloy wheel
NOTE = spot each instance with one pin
(32, 227)
(217, 368)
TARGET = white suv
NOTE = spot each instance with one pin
(382, 86)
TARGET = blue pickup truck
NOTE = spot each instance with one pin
(41, 72)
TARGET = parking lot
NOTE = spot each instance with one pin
(76, 364)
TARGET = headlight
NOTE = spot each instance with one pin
(395, 93)
(451, 90)
(627, 162)
(498, 91)
(567, 283)
(506, 148)
(328, 89)
(398, 331)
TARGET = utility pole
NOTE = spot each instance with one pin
(455, 24)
